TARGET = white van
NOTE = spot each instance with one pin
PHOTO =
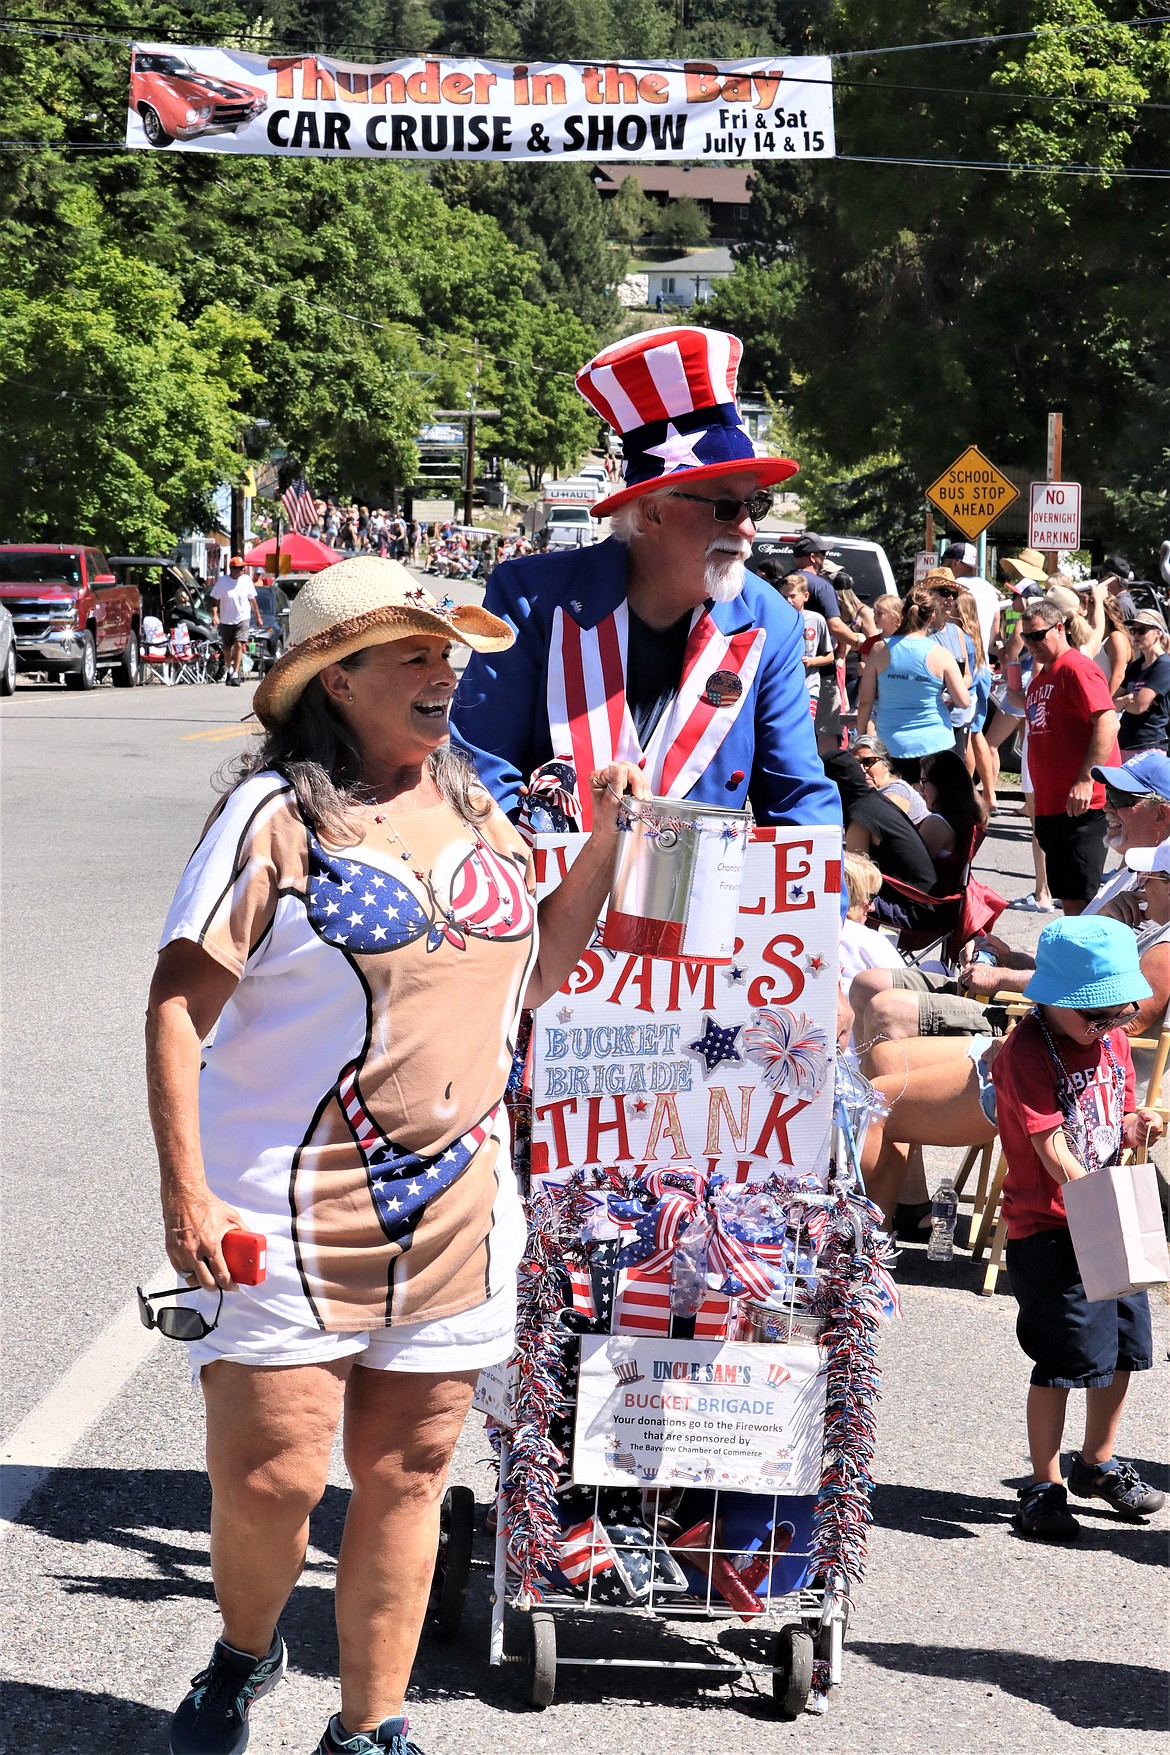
(569, 526)
(866, 562)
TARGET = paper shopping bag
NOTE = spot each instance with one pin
(1116, 1226)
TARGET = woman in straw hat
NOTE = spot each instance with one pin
(358, 925)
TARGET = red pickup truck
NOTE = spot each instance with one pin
(72, 617)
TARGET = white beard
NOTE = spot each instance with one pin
(723, 576)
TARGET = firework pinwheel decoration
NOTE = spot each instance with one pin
(790, 1049)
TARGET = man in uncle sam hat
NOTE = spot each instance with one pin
(656, 646)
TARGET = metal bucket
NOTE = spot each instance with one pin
(677, 881)
(791, 1327)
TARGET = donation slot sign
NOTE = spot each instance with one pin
(733, 1416)
(643, 1063)
(434, 107)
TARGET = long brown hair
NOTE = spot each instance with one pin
(319, 756)
(968, 614)
(918, 607)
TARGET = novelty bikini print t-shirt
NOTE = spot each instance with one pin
(350, 1106)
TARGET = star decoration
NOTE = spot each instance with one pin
(641, 1106)
(795, 892)
(735, 976)
(814, 963)
(564, 1015)
(677, 450)
(716, 1044)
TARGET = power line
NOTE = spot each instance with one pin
(67, 29)
(1045, 170)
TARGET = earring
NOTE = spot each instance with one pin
(349, 698)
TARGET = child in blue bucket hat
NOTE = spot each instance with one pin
(1064, 1086)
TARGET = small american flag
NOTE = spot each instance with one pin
(585, 1552)
(300, 508)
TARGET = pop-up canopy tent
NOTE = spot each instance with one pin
(305, 553)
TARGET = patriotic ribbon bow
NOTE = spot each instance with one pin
(685, 1198)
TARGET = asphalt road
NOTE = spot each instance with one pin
(964, 1637)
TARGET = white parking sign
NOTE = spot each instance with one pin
(1054, 516)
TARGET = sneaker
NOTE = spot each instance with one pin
(1044, 1513)
(388, 1739)
(232, 680)
(1118, 1484)
(213, 1718)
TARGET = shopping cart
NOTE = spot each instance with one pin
(703, 1554)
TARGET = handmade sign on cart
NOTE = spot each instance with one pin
(735, 1416)
(640, 1062)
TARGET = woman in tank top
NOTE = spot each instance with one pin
(903, 685)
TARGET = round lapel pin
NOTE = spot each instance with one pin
(722, 688)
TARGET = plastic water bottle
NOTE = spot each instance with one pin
(944, 1210)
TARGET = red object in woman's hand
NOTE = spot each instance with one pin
(246, 1255)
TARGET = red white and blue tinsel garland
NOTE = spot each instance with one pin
(787, 1225)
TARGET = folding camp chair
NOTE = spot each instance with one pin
(947, 924)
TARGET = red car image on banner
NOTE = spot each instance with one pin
(176, 102)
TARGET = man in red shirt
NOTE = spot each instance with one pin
(1072, 728)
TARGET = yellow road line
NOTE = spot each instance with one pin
(220, 733)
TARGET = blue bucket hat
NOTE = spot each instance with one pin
(1087, 963)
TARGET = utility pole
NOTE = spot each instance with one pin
(469, 488)
(1054, 464)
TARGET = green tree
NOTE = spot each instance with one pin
(944, 306)
(546, 422)
(756, 302)
(682, 224)
(630, 214)
(119, 416)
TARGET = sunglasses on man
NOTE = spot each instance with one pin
(1125, 800)
(726, 511)
(180, 1324)
(945, 592)
(1100, 1022)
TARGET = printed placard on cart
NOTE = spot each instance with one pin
(731, 1415)
(639, 1062)
(495, 1393)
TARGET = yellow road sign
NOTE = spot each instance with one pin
(972, 492)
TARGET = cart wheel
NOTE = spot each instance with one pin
(792, 1681)
(542, 1682)
(452, 1562)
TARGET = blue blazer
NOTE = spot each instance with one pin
(501, 715)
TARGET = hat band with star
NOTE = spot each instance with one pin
(693, 447)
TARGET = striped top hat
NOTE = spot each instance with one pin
(670, 393)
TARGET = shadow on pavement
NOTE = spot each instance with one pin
(68, 1721)
(925, 1511)
(1080, 1691)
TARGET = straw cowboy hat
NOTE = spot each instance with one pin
(670, 393)
(364, 602)
(1028, 564)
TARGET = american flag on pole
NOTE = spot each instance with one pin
(300, 508)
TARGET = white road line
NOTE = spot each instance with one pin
(57, 1424)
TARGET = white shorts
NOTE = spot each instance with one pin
(468, 1341)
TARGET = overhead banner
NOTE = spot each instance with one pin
(435, 107)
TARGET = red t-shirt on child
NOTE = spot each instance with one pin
(1060, 704)
(1026, 1103)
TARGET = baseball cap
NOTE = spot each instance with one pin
(964, 553)
(1149, 772)
(1149, 858)
(1087, 962)
(237, 561)
(810, 544)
